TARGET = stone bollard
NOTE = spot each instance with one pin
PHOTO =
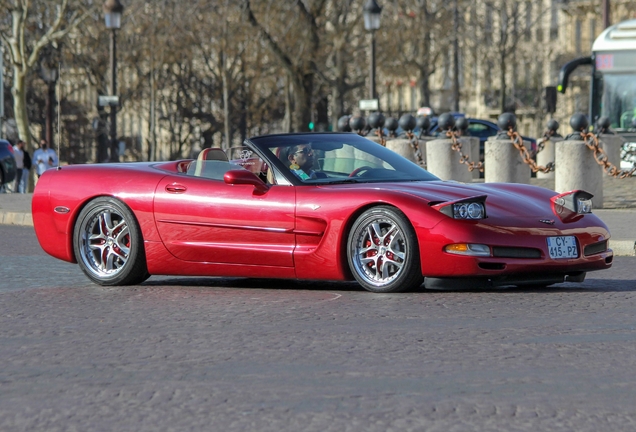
(503, 163)
(404, 148)
(443, 161)
(470, 147)
(576, 167)
(502, 160)
(611, 145)
(546, 156)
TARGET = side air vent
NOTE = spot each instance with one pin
(595, 248)
(515, 252)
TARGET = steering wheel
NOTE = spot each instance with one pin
(357, 171)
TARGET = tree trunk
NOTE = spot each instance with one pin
(226, 102)
(302, 103)
(287, 120)
(425, 89)
(502, 81)
(337, 106)
(20, 106)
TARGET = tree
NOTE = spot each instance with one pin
(295, 52)
(417, 37)
(33, 27)
(342, 53)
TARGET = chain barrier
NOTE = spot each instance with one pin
(463, 158)
(517, 141)
(382, 137)
(546, 138)
(591, 141)
(413, 141)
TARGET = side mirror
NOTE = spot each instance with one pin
(236, 177)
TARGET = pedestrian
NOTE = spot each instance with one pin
(18, 155)
(24, 181)
(44, 158)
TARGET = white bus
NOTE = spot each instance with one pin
(613, 83)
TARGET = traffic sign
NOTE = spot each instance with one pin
(369, 104)
(108, 101)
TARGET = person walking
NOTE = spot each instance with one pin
(24, 181)
(18, 155)
(44, 158)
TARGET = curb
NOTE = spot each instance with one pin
(623, 247)
(620, 247)
(13, 218)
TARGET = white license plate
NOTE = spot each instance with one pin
(562, 247)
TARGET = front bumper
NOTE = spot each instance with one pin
(436, 263)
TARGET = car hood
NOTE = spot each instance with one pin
(503, 199)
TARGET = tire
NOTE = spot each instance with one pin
(108, 244)
(383, 253)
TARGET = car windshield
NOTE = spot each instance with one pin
(331, 158)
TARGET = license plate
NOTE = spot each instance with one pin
(562, 247)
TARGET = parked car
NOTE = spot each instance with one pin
(356, 211)
(484, 129)
(7, 163)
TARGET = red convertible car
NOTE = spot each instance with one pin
(321, 206)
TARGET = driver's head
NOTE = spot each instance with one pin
(301, 156)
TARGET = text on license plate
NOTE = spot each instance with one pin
(562, 247)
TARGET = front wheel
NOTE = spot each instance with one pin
(383, 253)
(108, 243)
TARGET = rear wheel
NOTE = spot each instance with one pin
(108, 243)
(383, 253)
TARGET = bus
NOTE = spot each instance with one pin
(613, 80)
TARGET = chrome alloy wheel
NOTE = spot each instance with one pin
(379, 251)
(105, 243)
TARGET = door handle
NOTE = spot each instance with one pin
(175, 188)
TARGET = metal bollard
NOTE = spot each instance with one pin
(546, 155)
(502, 160)
(576, 167)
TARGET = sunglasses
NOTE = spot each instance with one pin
(305, 150)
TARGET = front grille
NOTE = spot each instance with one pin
(515, 252)
(595, 248)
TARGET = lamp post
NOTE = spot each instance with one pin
(112, 16)
(49, 74)
(372, 13)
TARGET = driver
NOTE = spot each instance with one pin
(301, 161)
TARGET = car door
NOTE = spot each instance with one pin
(206, 220)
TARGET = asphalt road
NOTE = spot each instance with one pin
(208, 354)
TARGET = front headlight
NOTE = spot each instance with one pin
(465, 208)
(570, 206)
(473, 210)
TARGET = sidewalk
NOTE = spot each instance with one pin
(618, 212)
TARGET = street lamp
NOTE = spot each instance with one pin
(112, 15)
(372, 13)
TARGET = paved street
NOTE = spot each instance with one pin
(235, 354)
